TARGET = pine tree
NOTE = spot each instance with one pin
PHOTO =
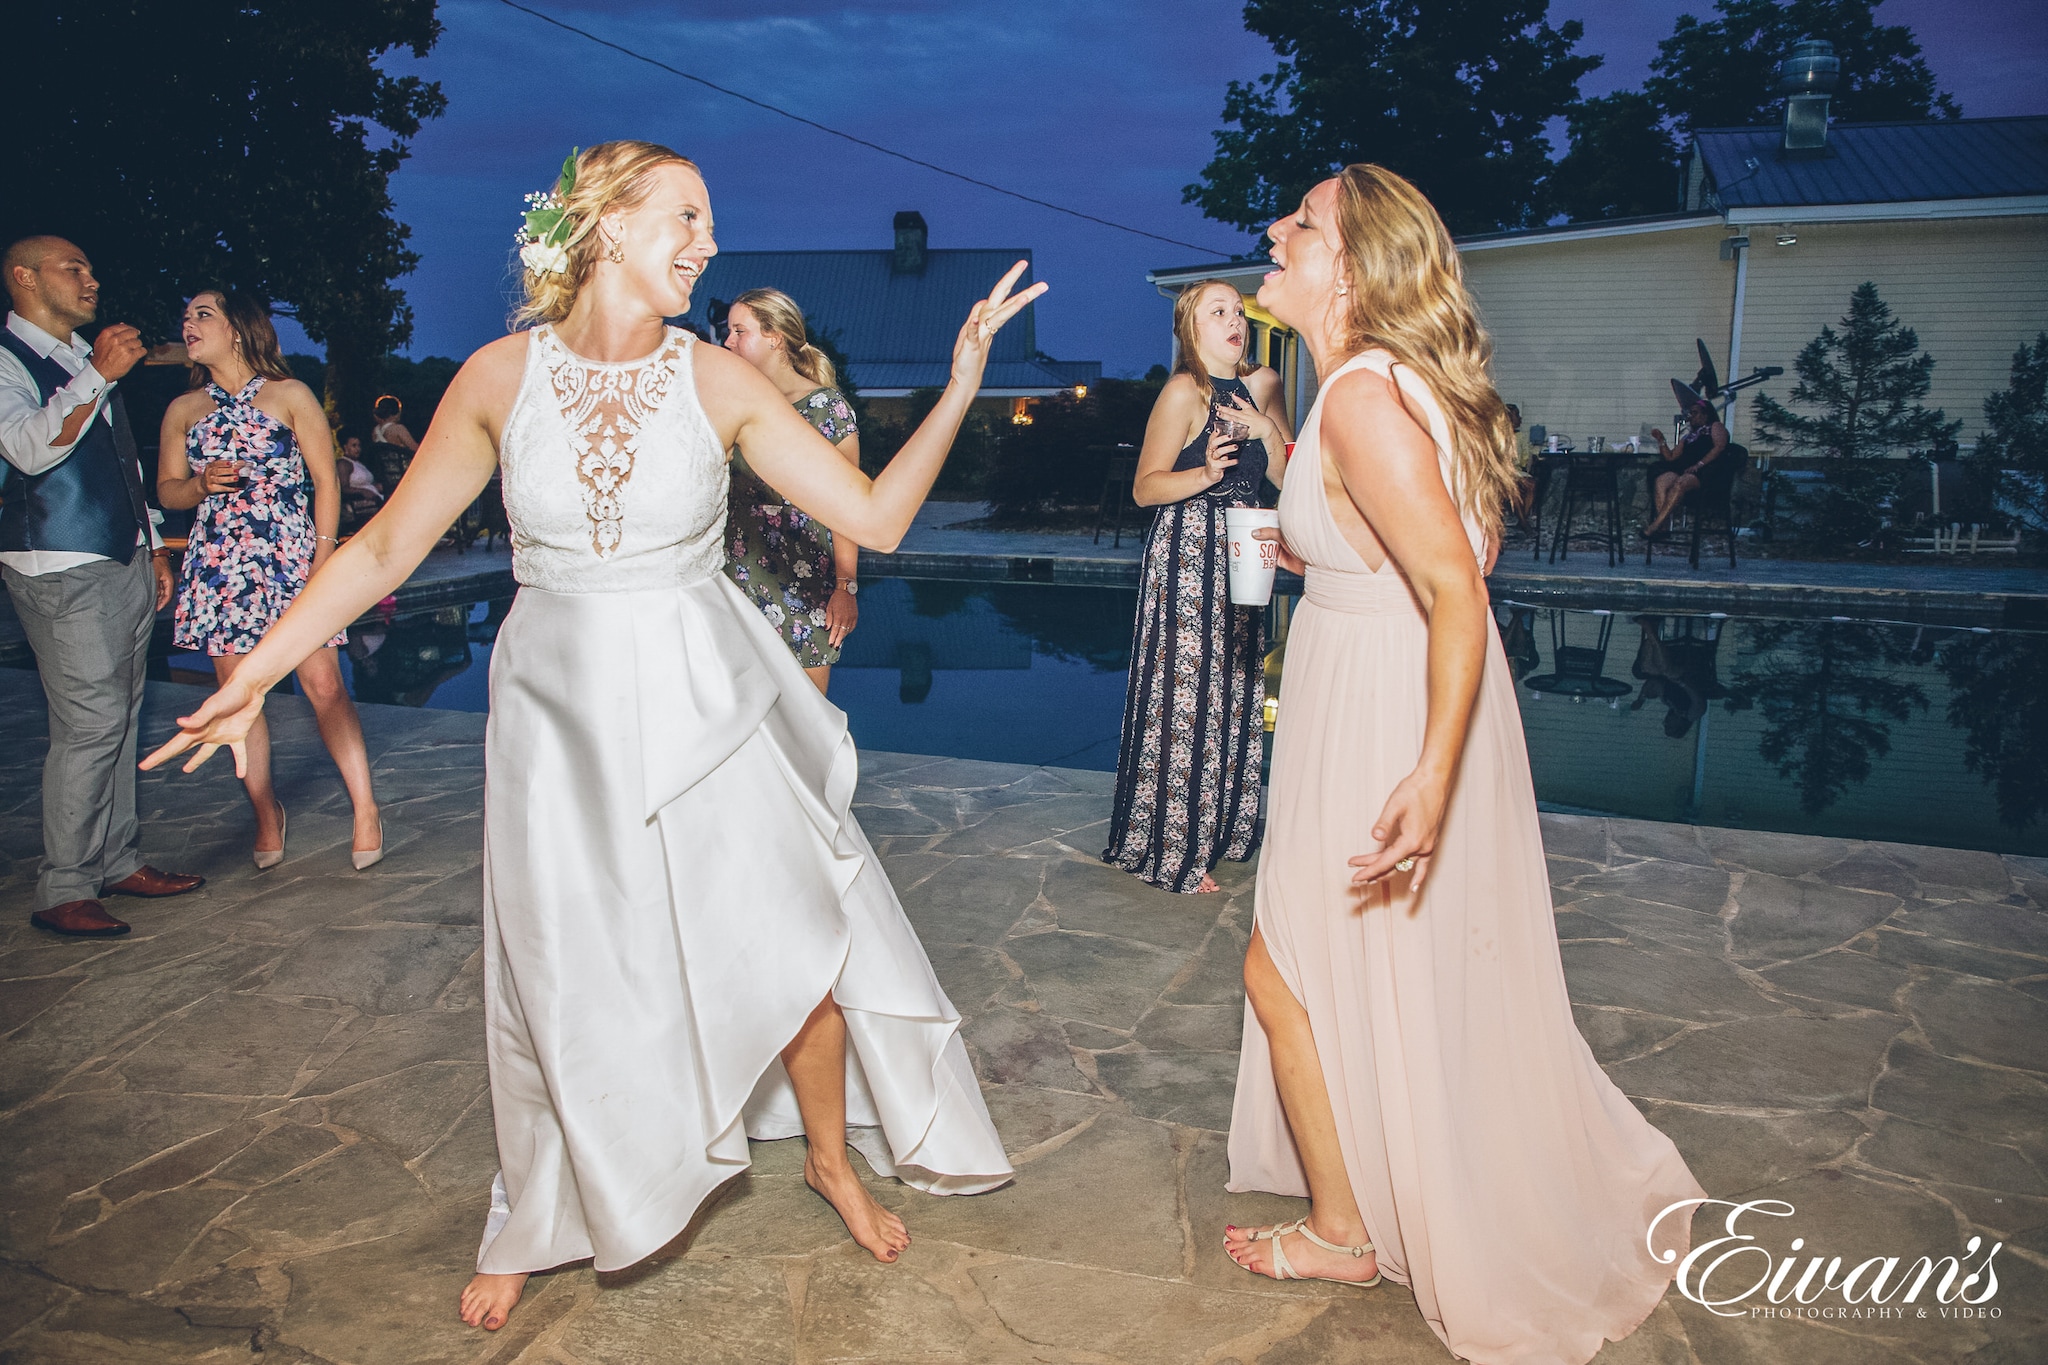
(2011, 459)
(1866, 381)
(1453, 94)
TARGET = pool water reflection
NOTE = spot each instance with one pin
(1933, 735)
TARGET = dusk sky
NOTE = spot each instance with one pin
(1103, 107)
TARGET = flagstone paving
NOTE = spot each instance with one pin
(259, 1128)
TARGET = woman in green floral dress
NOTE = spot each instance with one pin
(782, 559)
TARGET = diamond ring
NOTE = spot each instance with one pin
(1405, 865)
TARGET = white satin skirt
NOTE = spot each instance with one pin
(672, 881)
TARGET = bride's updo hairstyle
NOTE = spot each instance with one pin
(1408, 297)
(778, 314)
(611, 175)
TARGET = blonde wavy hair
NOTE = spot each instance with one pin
(611, 175)
(1408, 297)
(778, 314)
(1189, 360)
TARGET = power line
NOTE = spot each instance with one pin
(858, 141)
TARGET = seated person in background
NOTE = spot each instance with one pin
(391, 444)
(360, 496)
(1697, 463)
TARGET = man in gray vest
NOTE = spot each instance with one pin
(78, 556)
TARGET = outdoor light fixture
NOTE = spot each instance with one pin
(1080, 390)
(1788, 238)
(1020, 412)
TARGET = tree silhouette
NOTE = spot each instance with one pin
(1622, 160)
(1866, 381)
(1999, 703)
(214, 143)
(1826, 702)
(1453, 94)
(1723, 72)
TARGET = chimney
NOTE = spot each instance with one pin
(910, 243)
(1807, 78)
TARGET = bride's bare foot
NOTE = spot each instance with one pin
(873, 1226)
(488, 1300)
(1308, 1260)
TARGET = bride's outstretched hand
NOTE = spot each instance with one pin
(223, 718)
(984, 320)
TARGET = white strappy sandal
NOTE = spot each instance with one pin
(1284, 1270)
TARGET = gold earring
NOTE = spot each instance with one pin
(615, 252)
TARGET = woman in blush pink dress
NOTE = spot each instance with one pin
(1410, 1061)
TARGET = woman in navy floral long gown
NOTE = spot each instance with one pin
(250, 449)
(1187, 776)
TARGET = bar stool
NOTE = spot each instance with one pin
(1591, 481)
(1537, 485)
(1700, 515)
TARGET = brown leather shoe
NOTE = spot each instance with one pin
(148, 882)
(79, 919)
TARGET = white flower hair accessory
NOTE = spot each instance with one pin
(544, 233)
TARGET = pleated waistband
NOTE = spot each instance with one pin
(1361, 594)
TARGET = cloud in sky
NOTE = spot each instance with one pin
(1105, 107)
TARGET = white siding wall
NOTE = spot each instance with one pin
(1972, 288)
(1587, 335)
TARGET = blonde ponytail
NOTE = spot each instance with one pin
(779, 316)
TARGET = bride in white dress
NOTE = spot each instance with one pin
(684, 926)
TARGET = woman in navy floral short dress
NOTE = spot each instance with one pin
(787, 563)
(235, 449)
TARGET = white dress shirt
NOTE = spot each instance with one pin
(29, 428)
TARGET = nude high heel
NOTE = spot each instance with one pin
(267, 858)
(365, 858)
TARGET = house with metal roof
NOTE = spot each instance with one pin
(1776, 227)
(895, 312)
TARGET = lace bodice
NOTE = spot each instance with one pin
(614, 480)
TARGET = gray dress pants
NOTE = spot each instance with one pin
(89, 627)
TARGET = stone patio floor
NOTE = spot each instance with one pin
(259, 1127)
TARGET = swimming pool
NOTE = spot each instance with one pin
(1861, 729)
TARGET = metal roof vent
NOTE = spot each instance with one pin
(911, 236)
(1808, 78)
